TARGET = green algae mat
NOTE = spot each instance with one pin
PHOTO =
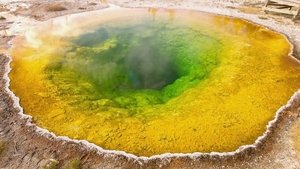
(149, 81)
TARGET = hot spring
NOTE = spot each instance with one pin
(152, 81)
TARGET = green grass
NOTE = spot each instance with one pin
(73, 164)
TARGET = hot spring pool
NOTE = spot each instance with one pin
(149, 81)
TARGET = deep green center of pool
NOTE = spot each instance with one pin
(134, 64)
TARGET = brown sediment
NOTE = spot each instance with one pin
(31, 147)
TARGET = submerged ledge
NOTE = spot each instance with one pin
(272, 126)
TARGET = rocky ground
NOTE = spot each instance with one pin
(23, 145)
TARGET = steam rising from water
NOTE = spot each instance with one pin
(140, 63)
(172, 81)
